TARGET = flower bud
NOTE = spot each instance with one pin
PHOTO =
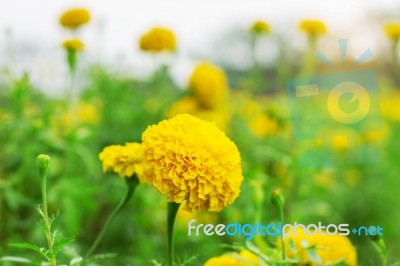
(277, 198)
(42, 161)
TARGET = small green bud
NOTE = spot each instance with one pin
(42, 162)
(277, 198)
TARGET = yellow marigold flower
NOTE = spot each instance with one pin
(74, 18)
(123, 160)
(260, 27)
(392, 30)
(329, 248)
(313, 27)
(192, 162)
(209, 84)
(245, 258)
(189, 105)
(158, 39)
(73, 45)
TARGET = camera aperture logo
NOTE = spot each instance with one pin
(341, 106)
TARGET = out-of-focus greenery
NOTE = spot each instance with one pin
(114, 110)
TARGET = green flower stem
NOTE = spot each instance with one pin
(395, 56)
(309, 60)
(172, 210)
(278, 200)
(282, 220)
(43, 162)
(72, 59)
(132, 183)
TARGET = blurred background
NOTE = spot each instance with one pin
(31, 35)
(70, 102)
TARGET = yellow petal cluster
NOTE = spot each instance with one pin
(124, 160)
(209, 84)
(192, 162)
(158, 39)
(74, 18)
(329, 248)
(392, 30)
(313, 27)
(260, 27)
(73, 45)
(245, 258)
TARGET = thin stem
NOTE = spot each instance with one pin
(46, 219)
(132, 183)
(396, 58)
(172, 210)
(281, 217)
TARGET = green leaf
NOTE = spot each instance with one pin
(20, 260)
(43, 251)
(61, 243)
(25, 246)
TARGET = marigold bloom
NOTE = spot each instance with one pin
(260, 27)
(392, 30)
(313, 27)
(209, 84)
(158, 39)
(73, 45)
(245, 258)
(123, 160)
(74, 18)
(192, 162)
(329, 248)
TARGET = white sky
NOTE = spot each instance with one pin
(30, 35)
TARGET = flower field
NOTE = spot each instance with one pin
(113, 170)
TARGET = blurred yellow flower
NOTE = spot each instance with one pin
(257, 120)
(245, 258)
(184, 217)
(389, 104)
(392, 30)
(192, 162)
(73, 45)
(209, 84)
(158, 39)
(262, 125)
(74, 18)
(219, 115)
(123, 160)
(82, 114)
(313, 27)
(260, 27)
(87, 113)
(329, 248)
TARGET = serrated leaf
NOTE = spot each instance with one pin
(25, 246)
(61, 243)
